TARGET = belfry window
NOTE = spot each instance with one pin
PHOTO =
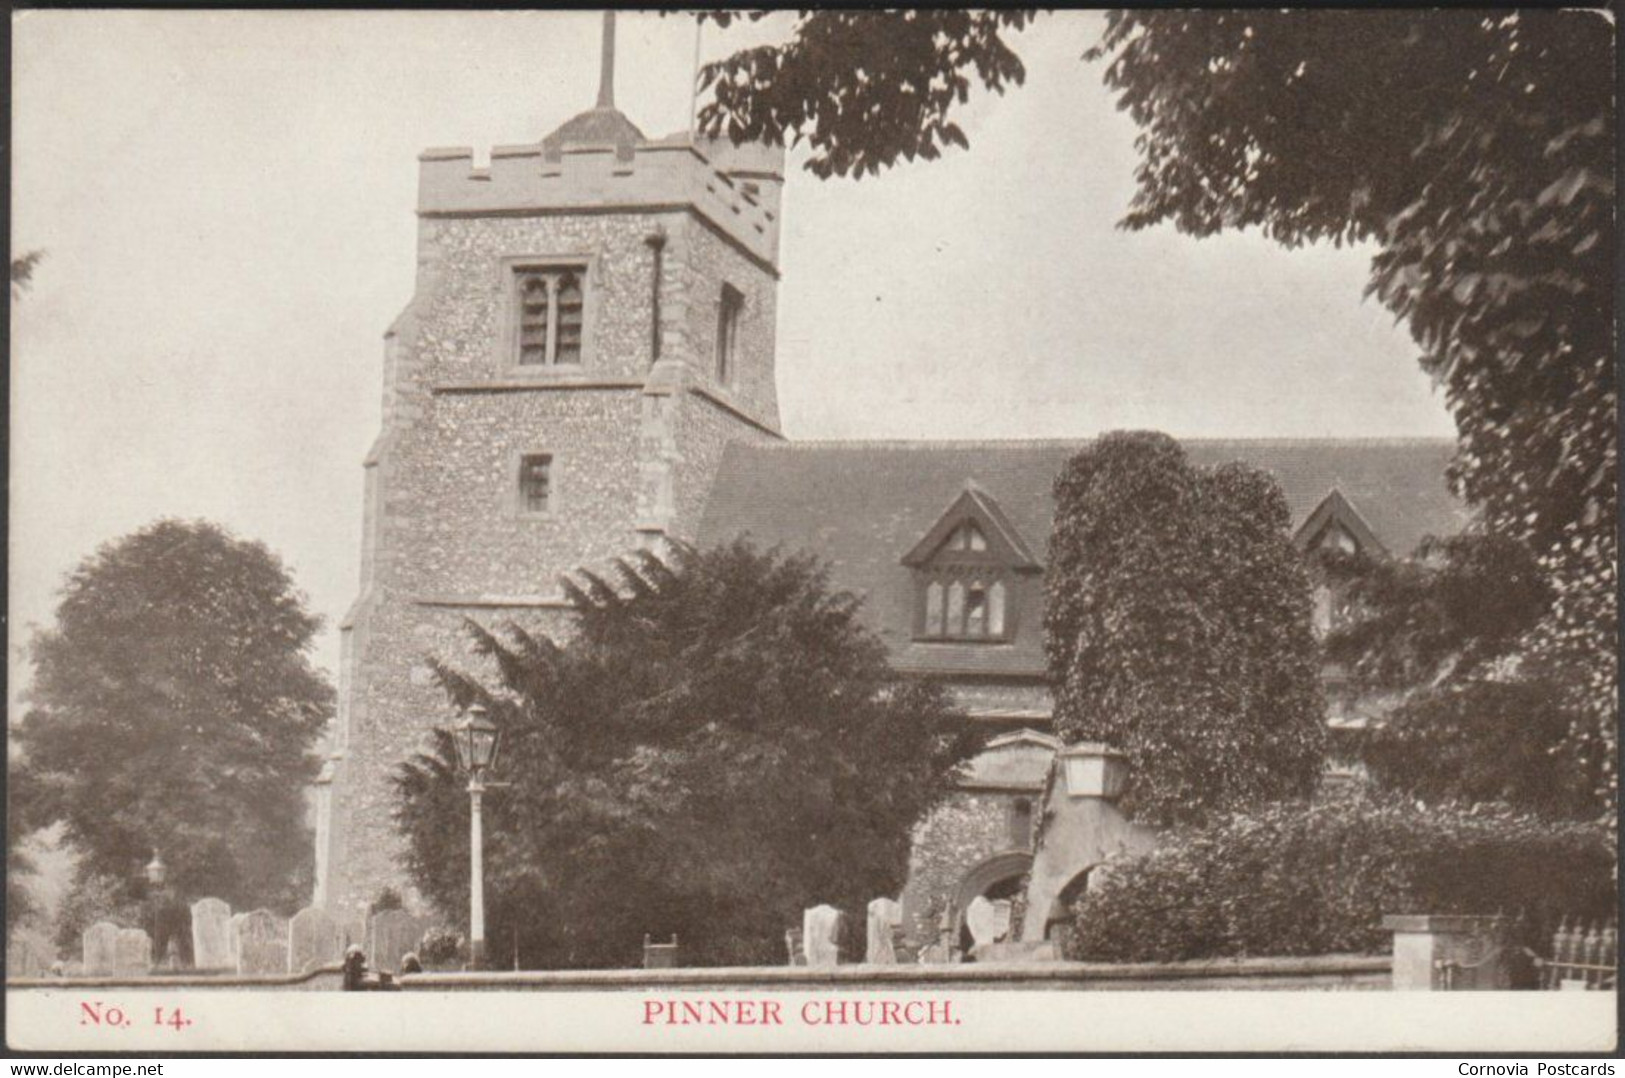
(550, 303)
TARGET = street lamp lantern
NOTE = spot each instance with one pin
(156, 870)
(477, 741)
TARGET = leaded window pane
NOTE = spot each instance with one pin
(976, 610)
(995, 609)
(933, 609)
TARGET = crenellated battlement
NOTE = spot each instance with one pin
(736, 188)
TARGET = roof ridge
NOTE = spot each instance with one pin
(995, 443)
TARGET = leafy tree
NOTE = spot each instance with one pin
(1177, 628)
(173, 708)
(719, 745)
(1473, 149)
(1438, 637)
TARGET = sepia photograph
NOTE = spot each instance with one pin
(828, 531)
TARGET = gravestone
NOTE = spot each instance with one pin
(987, 921)
(132, 952)
(262, 943)
(314, 939)
(885, 915)
(234, 941)
(390, 935)
(820, 935)
(100, 948)
(211, 935)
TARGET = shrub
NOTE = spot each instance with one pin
(387, 899)
(442, 948)
(1293, 879)
(1177, 629)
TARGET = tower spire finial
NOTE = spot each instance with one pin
(606, 73)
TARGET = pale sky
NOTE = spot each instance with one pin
(226, 202)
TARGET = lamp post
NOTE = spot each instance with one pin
(476, 739)
(156, 872)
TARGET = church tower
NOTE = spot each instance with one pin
(592, 324)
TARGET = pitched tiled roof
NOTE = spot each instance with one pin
(861, 506)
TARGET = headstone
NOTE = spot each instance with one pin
(820, 935)
(390, 935)
(987, 921)
(885, 915)
(132, 952)
(211, 935)
(262, 943)
(234, 941)
(100, 944)
(314, 939)
(659, 955)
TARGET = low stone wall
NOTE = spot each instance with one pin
(1321, 973)
(321, 979)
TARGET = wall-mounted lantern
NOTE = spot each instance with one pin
(1093, 769)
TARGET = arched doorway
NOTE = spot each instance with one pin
(999, 877)
(1059, 919)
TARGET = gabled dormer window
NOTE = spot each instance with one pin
(967, 572)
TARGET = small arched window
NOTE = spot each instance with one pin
(1021, 823)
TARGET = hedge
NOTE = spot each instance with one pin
(1295, 879)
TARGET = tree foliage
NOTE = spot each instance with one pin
(173, 707)
(719, 745)
(1474, 150)
(22, 271)
(1469, 717)
(1177, 628)
(863, 88)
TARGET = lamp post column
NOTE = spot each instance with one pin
(476, 876)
